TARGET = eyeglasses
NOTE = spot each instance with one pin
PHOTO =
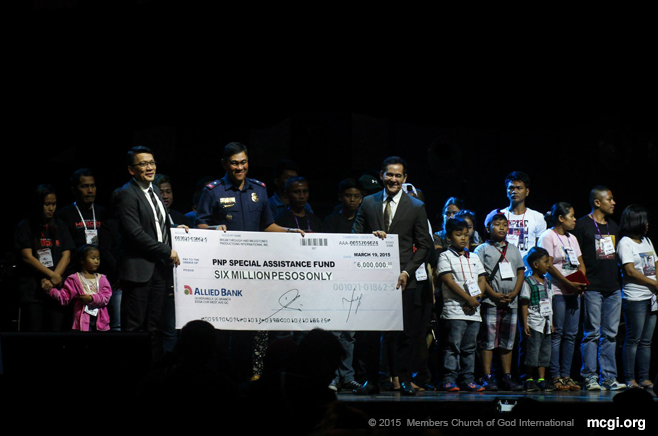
(145, 164)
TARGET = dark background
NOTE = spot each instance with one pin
(467, 157)
(87, 80)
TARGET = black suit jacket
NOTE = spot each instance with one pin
(409, 223)
(138, 234)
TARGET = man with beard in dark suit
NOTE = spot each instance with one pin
(392, 211)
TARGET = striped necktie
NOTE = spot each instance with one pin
(163, 224)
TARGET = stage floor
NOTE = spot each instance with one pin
(466, 413)
(441, 396)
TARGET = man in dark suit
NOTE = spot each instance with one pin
(393, 211)
(146, 267)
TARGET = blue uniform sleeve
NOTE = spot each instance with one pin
(204, 208)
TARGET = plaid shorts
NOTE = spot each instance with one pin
(498, 328)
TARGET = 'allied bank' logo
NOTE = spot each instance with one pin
(188, 290)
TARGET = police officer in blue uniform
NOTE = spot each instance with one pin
(236, 202)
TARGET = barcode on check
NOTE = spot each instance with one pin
(313, 242)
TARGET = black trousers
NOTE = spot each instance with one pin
(142, 305)
(401, 348)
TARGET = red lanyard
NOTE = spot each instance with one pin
(503, 252)
(461, 264)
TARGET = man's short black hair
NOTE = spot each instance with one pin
(75, 177)
(535, 254)
(130, 157)
(393, 160)
(347, 184)
(160, 179)
(455, 224)
(233, 148)
(596, 193)
(294, 180)
(283, 165)
(517, 175)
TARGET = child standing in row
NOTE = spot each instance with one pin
(499, 309)
(89, 291)
(462, 278)
(536, 320)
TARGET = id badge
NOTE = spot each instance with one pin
(92, 312)
(545, 308)
(506, 270)
(513, 239)
(571, 256)
(607, 245)
(91, 236)
(421, 273)
(654, 304)
(46, 257)
(472, 287)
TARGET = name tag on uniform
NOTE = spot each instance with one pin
(472, 287)
(421, 273)
(607, 245)
(46, 257)
(506, 270)
(227, 201)
(545, 308)
(91, 236)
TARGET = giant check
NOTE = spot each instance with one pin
(283, 281)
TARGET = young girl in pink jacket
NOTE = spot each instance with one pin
(88, 291)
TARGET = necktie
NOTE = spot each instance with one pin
(387, 214)
(163, 224)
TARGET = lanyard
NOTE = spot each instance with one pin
(93, 211)
(503, 252)
(461, 264)
(545, 284)
(558, 236)
(597, 226)
(308, 223)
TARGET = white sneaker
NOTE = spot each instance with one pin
(592, 384)
(612, 385)
(334, 385)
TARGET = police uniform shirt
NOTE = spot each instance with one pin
(223, 203)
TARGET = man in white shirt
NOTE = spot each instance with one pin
(525, 225)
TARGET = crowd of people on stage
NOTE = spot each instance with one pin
(530, 280)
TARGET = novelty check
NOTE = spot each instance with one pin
(283, 281)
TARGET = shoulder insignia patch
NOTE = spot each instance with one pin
(257, 182)
(211, 185)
